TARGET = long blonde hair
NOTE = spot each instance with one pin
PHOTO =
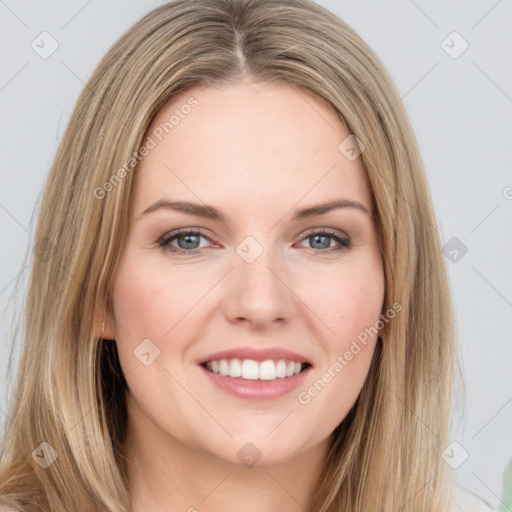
(70, 391)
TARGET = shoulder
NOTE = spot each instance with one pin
(465, 500)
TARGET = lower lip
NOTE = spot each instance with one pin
(257, 389)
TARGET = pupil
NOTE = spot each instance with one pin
(188, 244)
(326, 238)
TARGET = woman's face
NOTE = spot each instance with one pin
(240, 163)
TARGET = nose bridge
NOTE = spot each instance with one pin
(256, 291)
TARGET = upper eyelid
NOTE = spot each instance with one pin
(185, 231)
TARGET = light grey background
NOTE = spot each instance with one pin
(461, 111)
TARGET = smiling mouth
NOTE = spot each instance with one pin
(249, 369)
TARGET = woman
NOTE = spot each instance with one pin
(238, 296)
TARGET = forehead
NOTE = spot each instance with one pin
(248, 143)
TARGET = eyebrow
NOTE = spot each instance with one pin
(213, 213)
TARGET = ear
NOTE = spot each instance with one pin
(102, 313)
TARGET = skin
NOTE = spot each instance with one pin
(256, 152)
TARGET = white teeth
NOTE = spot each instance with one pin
(281, 369)
(252, 370)
(235, 368)
(223, 367)
(268, 370)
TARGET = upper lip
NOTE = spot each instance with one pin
(257, 354)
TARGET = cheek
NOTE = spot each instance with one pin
(149, 302)
(357, 324)
(361, 304)
(352, 307)
(137, 304)
(350, 300)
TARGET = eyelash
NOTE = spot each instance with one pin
(164, 241)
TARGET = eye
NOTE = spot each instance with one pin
(321, 241)
(189, 241)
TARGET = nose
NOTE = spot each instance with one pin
(257, 293)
